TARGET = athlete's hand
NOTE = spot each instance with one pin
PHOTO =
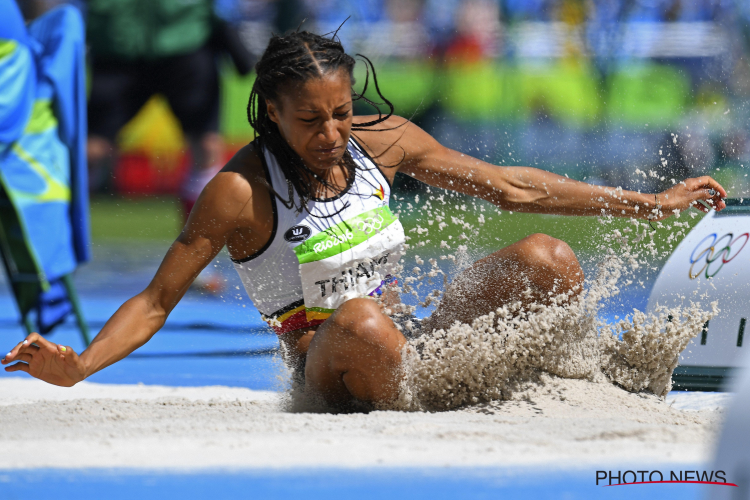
(703, 193)
(40, 358)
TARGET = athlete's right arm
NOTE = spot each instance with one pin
(224, 206)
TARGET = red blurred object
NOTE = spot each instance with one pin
(136, 174)
(465, 49)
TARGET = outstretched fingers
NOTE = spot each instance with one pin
(701, 193)
(23, 367)
(29, 345)
(710, 192)
(34, 345)
(710, 183)
(53, 363)
(26, 358)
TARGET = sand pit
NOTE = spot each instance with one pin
(561, 423)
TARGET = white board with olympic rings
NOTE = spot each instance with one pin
(712, 263)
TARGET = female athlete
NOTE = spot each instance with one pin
(303, 211)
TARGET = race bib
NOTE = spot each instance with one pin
(349, 260)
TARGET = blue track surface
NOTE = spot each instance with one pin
(205, 342)
(311, 484)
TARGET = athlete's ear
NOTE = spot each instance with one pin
(273, 111)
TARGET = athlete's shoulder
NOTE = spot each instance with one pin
(245, 169)
(230, 192)
(378, 137)
(395, 137)
(392, 122)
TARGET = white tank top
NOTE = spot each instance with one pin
(340, 248)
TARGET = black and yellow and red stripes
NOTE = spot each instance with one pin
(290, 318)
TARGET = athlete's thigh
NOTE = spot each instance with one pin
(524, 271)
(356, 353)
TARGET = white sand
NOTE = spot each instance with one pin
(559, 422)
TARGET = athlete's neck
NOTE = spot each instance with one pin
(337, 180)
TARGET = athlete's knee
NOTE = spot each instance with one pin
(360, 318)
(554, 255)
(542, 247)
(560, 252)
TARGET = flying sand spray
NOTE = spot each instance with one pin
(500, 353)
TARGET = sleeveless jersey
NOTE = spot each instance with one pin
(339, 248)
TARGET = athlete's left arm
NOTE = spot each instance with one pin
(527, 189)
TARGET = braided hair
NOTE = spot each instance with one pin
(293, 59)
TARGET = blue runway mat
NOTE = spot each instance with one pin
(191, 312)
(206, 341)
(184, 357)
(311, 484)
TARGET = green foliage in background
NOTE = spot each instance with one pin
(500, 228)
(648, 94)
(116, 219)
(235, 93)
(159, 220)
(478, 91)
(566, 91)
(570, 91)
(410, 86)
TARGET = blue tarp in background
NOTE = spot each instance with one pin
(42, 144)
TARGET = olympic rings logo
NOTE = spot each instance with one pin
(712, 253)
(370, 224)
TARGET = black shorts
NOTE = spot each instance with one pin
(190, 83)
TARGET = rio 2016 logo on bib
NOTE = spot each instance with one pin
(335, 239)
(297, 233)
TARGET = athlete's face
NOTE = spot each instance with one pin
(315, 119)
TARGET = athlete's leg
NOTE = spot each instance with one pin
(530, 270)
(355, 354)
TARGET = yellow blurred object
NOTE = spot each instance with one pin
(155, 132)
(478, 90)
(567, 91)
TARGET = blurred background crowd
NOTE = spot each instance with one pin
(592, 89)
(631, 93)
